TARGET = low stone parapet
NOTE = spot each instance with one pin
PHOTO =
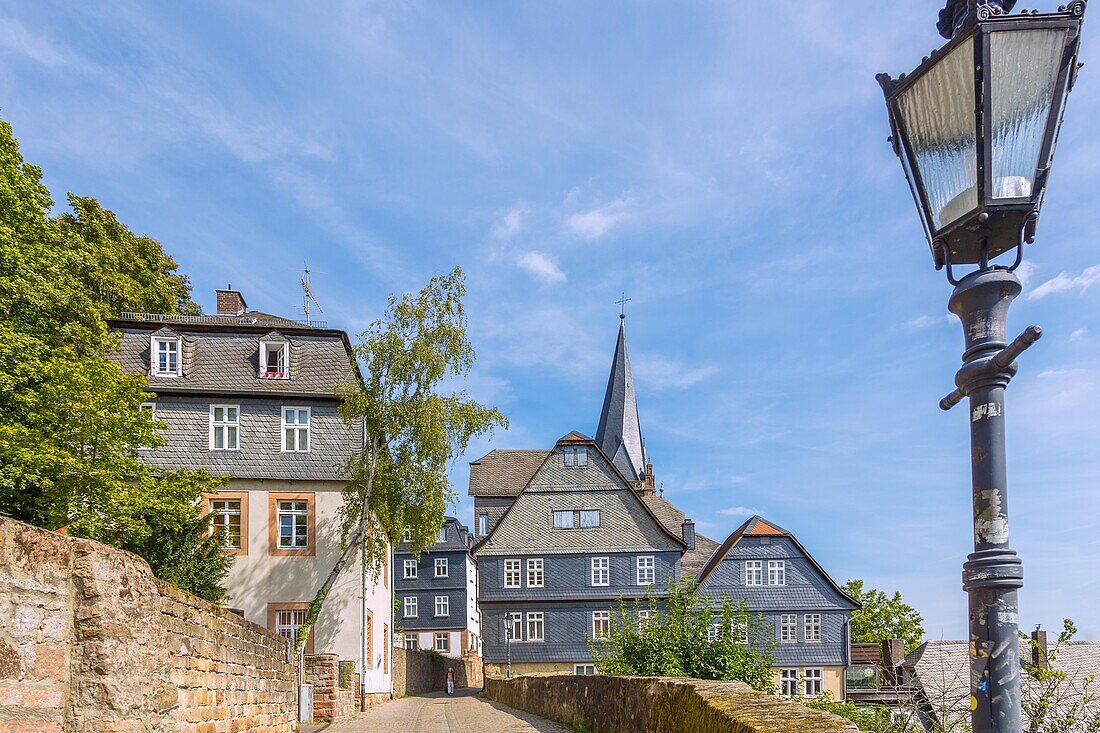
(659, 705)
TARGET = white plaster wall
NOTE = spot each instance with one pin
(425, 641)
(257, 579)
(473, 616)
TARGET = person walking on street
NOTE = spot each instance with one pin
(450, 681)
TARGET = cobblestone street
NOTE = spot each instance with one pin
(438, 713)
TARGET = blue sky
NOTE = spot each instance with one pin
(725, 164)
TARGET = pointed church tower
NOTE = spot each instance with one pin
(619, 433)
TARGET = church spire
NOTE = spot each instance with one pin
(619, 433)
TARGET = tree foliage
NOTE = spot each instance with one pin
(70, 420)
(1054, 701)
(413, 429)
(884, 617)
(688, 635)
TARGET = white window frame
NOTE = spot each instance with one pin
(441, 563)
(788, 628)
(444, 637)
(151, 407)
(584, 670)
(813, 682)
(537, 620)
(407, 566)
(298, 428)
(600, 571)
(482, 525)
(219, 519)
(442, 536)
(295, 513)
(601, 624)
(225, 427)
(714, 632)
(777, 572)
(512, 620)
(266, 372)
(412, 642)
(739, 629)
(513, 569)
(154, 355)
(811, 627)
(646, 570)
(287, 622)
(754, 573)
(536, 577)
(645, 615)
(789, 682)
(410, 607)
(442, 605)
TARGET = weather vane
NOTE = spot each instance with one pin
(622, 301)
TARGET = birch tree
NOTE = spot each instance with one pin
(413, 427)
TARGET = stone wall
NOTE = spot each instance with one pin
(335, 691)
(417, 672)
(91, 642)
(659, 705)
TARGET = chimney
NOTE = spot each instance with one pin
(230, 302)
(1039, 658)
(688, 531)
(893, 651)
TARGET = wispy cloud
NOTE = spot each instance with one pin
(659, 373)
(1078, 334)
(1064, 282)
(595, 223)
(740, 511)
(542, 266)
(15, 37)
(510, 224)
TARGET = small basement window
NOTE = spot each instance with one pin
(274, 360)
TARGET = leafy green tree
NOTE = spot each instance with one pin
(872, 718)
(70, 419)
(1055, 702)
(398, 481)
(688, 634)
(884, 617)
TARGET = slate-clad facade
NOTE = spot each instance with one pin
(575, 540)
(766, 566)
(446, 570)
(255, 397)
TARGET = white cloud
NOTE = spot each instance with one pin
(658, 373)
(1078, 334)
(37, 48)
(926, 321)
(509, 224)
(739, 511)
(1025, 272)
(1064, 282)
(542, 266)
(595, 223)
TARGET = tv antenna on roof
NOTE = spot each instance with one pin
(309, 300)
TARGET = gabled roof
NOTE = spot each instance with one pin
(673, 519)
(504, 472)
(619, 434)
(570, 438)
(757, 526)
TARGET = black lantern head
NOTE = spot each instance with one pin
(975, 127)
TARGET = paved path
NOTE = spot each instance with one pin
(438, 713)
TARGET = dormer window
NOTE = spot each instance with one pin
(576, 455)
(165, 356)
(274, 360)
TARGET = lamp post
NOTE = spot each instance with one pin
(975, 127)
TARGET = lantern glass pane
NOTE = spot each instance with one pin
(938, 114)
(1023, 70)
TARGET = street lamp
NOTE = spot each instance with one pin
(508, 643)
(975, 127)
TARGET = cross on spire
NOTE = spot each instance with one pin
(622, 301)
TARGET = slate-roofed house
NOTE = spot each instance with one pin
(767, 567)
(437, 591)
(565, 533)
(255, 397)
